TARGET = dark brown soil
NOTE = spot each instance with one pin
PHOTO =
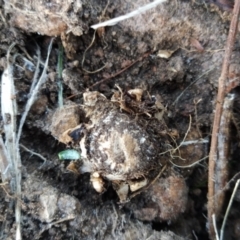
(60, 204)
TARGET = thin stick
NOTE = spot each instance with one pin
(33, 153)
(192, 83)
(194, 234)
(7, 193)
(228, 209)
(69, 218)
(177, 148)
(189, 142)
(121, 71)
(221, 166)
(218, 113)
(114, 75)
(190, 165)
(186, 134)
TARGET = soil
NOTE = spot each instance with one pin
(176, 49)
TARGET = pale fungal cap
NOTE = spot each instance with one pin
(165, 53)
(97, 182)
(96, 175)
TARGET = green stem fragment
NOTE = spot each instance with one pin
(69, 154)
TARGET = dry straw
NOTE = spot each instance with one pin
(10, 160)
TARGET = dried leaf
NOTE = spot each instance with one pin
(72, 167)
(196, 44)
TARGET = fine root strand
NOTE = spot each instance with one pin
(84, 56)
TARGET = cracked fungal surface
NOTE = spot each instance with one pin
(127, 149)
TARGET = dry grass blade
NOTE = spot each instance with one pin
(33, 153)
(5, 163)
(116, 20)
(34, 91)
(36, 73)
(221, 172)
(9, 112)
(228, 209)
(11, 160)
(32, 98)
(217, 117)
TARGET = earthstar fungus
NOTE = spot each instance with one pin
(119, 140)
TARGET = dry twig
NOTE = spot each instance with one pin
(36, 85)
(121, 71)
(116, 74)
(50, 225)
(190, 165)
(222, 82)
(33, 153)
(221, 168)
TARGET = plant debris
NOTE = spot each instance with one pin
(69, 154)
(143, 131)
(120, 143)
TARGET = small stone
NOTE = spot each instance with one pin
(39, 107)
(48, 200)
(164, 200)
(71, 79)
(68, 205)
(63, 119)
